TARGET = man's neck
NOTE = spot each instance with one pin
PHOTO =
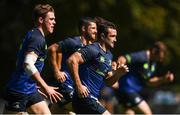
(41, 30)
(103, 46)
(84, 40)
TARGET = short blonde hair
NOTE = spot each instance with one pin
(41, 10)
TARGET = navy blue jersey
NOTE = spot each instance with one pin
(140, 70)
(97, 64)
(20, 81)
(69, 46)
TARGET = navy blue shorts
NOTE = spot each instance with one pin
(130, 99)
(87, 106)
(67, 94)
(20, 102)
(65, 89)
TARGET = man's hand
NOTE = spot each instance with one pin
(41, 92)
(60, 76)
(122, 68)
(82, 91)
(169, 77)
(53, 95)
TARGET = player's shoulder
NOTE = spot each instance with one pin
(75, 38)
(72, 40)
(36, 34)
(96, 47)
(139, 53)
(93, 48)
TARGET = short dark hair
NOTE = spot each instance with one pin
(103, 28)
(85, 21)
(41, 10)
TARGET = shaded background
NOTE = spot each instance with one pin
(140, 23)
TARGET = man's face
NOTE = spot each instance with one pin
(111, 37)
(159, 57)
(91, 31)
(49, 23)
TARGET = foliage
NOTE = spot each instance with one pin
(140, 23)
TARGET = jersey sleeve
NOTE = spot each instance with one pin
(136, 57)
(36, 44)
(67, 44)
(88, 53)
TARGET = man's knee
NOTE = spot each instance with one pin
(106, 113)
(39, 108)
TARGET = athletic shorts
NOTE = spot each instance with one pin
(20, 102)
(87, 106)
(67, 94)
(107, 95)
(64, 88)
(130, 99)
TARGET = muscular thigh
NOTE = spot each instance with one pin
(36, 104)
(39, 108)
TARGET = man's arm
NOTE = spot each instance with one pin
(55, 56)
(73, 64)
(155, 81)
(114, 76)
(53, 51)
(31, 70)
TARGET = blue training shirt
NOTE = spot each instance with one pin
(93, 72)
(68, 46)
(20, 81)
(140, 70)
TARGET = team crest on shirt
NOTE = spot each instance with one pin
(102, 59)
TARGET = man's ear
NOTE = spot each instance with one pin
(41, 20)
(83, 29)
(102, 36)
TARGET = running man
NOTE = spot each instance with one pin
(95, 60)
(59, 52)
(142, 66)
(22, 94)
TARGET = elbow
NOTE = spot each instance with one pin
(70, 61)
(53, 48)
(30, 69)
(74, 60)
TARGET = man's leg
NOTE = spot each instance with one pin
(133, 102)
(63, 106)
(144, 108)
(106, 113)
(15, 103)
(39, 108)
(36, 104)
(129, 111)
